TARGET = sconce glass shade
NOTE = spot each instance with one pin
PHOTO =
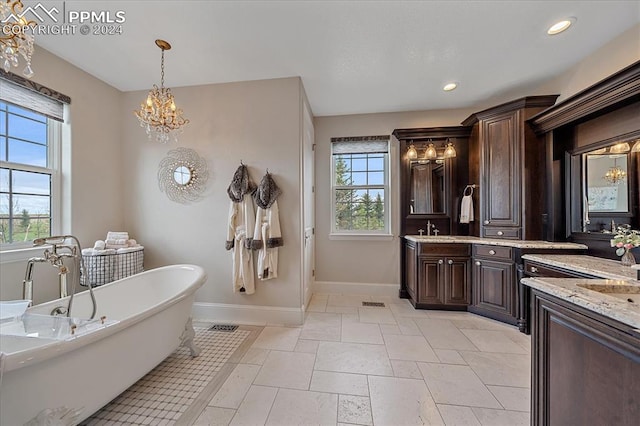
(620, 148)
(430, 152)
(636, 147)
(412, 154)
(449, 151)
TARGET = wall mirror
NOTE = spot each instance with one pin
(606, 182)
(427, 187)
(183, 175)
(603, 186)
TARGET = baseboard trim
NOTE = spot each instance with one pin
(390, 290)
(247, 314)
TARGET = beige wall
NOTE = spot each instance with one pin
(363, 261)
(92, 150)
(257, 122)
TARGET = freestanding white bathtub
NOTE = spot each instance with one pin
(147, 318)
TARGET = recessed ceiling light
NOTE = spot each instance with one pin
(449, 87)
(561, 26)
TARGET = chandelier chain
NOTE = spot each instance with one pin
(162, 71)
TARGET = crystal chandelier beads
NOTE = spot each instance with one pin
(15, 40)
(159, 115)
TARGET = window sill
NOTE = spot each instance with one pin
(360, 237)
(19, 254)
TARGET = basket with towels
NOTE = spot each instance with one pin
(113, 258)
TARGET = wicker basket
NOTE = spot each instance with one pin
(102, 269)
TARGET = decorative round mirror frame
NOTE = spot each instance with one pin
(191, 190)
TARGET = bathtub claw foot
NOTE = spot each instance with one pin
(186, 340)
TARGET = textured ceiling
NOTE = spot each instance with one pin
(352, 56)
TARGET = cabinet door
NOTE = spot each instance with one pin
(585, 372)
(501, 171)
(430, 275)
(457, 282)
(493, 287)
(410, 270)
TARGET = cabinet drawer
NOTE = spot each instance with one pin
(445, 249)
(507, 233)
(492, 252)
(534, 269)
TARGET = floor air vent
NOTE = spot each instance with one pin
(374, 304)
(223, 327)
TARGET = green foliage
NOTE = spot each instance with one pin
(25, 219)
(355, 212)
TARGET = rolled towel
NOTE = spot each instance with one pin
(120, 235)
(99, 245)
(132, 243)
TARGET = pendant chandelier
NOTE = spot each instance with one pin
(615, 175)
(15, 41)
(159, 115)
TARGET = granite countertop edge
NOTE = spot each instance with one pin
(609, 306)
(459, 239)
(596, 266)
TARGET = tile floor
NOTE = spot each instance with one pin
(355, 365)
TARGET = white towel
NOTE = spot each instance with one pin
(129, 249)
(99, 245)
(466, 209)
(120, 235)
(132, 243)
(94, 252)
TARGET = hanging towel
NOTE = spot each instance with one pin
(466, 207)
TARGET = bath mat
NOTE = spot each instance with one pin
(373, 304)
(165, 393)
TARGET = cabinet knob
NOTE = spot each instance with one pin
(500, 233)
(486, 222)
(534, 269)
(492, 252)
(478, 263)
(440, 262)
(450, 262)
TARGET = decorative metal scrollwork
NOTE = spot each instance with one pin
(183, 175)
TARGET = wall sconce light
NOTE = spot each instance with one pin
(430, 152)
(449, 150)
(636, 147)
(412, 154)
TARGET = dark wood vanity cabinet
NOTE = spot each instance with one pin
(585, 367)
(494, 283)
(511, 172)
(438, 276)
(444, 281)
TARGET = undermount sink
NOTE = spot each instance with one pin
(620, 289)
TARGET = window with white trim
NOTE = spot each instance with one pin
(30, 135)
(360, 185)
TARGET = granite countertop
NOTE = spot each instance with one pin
(616, 308)
(596, 266)
(494, 242)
